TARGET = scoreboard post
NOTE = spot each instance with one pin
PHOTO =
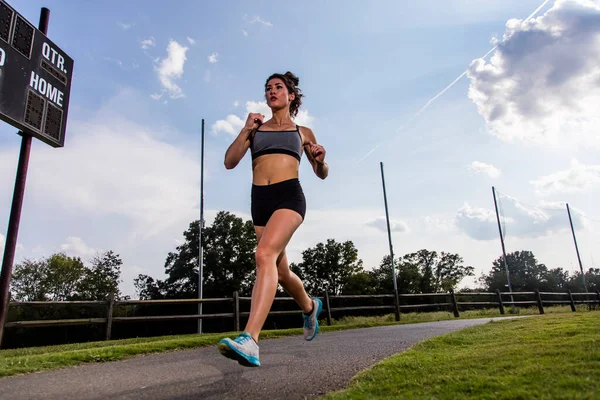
(35, 85)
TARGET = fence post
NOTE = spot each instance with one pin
(397, 304)
(454, 304)
(539, 301)
(500, 303)
(109, 315)
(328, 307)
(571, 299)
(236, 311)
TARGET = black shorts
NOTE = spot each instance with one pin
(266, 199)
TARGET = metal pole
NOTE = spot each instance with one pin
(503, 249)
(387, 217)
(16, 207)
(576, 248)
(201, 255)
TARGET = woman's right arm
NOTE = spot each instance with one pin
(240, 145)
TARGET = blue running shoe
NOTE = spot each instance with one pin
(243, 349)
(311, 321)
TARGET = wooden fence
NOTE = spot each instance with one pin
(498, 300)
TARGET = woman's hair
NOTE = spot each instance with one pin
(291, 82)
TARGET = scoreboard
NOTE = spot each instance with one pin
(35, 79)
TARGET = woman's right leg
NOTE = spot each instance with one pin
(275, 237)
(290, 282)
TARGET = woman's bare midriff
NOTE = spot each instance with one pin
(273, 168)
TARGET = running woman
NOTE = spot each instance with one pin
(278, 207)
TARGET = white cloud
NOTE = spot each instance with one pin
(213, 58)
(118, 184)
(126, 26)
(232, 124)
(76, 247)
(171, 68)
(542, 85)
(147, 43)
(133, 65)
(483, 168)
(118, 62)
(477, 223)
(437, 224)
(517, 219)
(381, 224)
(236, 104)
(19, 248)
(191, 41)
(245, 32)
(303, 118)
(259, 20)
(152, 188)
(578, 178)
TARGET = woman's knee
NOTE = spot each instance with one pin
(265, 256)
(283, 275)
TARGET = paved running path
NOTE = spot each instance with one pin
(291, 369)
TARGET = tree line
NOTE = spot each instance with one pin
(229, 265)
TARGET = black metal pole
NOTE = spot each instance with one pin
(387, 218)
(15, 210)
(576, 248)
(503, 248)
(201, 255)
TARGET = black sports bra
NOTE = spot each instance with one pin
(282, 142)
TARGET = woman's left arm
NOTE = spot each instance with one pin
(315, 154)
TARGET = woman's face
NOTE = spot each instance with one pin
(277, 95)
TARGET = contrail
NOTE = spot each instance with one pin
(446, 88)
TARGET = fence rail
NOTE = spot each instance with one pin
(452, 305)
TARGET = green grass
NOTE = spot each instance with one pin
(415, 317)
(555, 356)
(34, 359)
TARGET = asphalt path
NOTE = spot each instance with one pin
(291, 368)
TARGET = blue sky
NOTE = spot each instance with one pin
(128, 176)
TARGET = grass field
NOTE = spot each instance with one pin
(33, 359)
(555, 356)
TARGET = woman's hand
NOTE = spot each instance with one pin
(253, 121)
(318, 152)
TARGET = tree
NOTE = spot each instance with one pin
(408, 277)
(229, 263)
(64, 275)
(421, 272)
(556, 279)
(526, 274)
(360, 283)
(439, 272)
(230, 256)
(102, 279)
(449, 271)
(592, 281)
(149, 289)
(60, 277)
(327, 266)
(29, 281)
